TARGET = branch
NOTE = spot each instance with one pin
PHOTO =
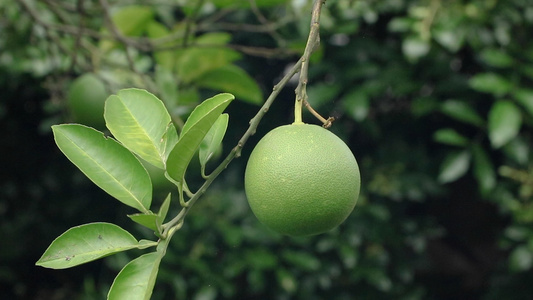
(263, 20)
(313, 41)
(257, 28)
(189, 22)
(77, 42)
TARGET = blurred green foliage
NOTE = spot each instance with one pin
(434, 97)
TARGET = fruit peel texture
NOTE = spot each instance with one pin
(302, 180)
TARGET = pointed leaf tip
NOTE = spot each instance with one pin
(195, 129)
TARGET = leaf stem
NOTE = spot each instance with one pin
(186, 189)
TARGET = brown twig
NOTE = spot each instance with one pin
(326, 123)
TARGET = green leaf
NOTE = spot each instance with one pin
(378, 278)
(423, 106)
(147, 220)
(524, 97)
(193, 132)
(491, 83)
(163, 210)
(518, 150)
(232, 79)
(132, 20)
(213, 38)
(151, 220)
(166, 84)
(194, 62)
(415, 48)
(496, 58)
(163, 58)
(505, 121)
(461, 111)
(85, 243)
(357, 104)
(400, 24)
(449, 136)
(483, 169)
(454, 166)
(526, 70)
(521, 259)
(139, 120)
(322, 93)
(213, 139)
(107, 163)
(286, 280)
(260, 259)
(137, 279)
(301, 260)
(450, 38)
(169, 139)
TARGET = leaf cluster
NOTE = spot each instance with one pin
(142, 130)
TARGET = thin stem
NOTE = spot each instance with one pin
(183, 203)
(189, 22)
(187, 190)
(298, 112)
(326, 123)
(202, 170)
(78, 39)
(313, 41)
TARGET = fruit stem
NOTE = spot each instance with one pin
(298, 112)
(313, 41)
(326, 123)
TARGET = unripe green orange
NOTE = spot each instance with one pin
(86, 99)
(302, 179)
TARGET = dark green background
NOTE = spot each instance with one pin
(445, 212)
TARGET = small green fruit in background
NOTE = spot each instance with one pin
(302, 180)
(86, 99)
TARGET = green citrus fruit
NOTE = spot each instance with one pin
(302, 179)
(86, 99)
